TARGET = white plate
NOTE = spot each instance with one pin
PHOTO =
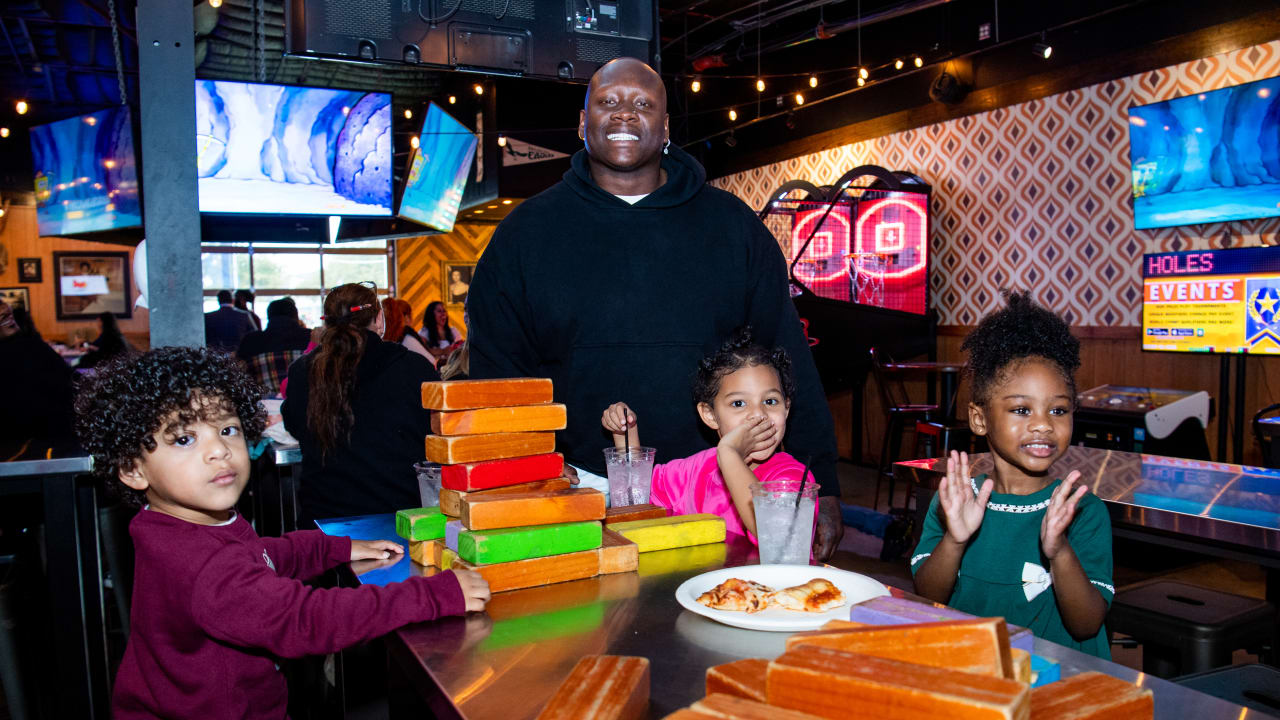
(856, 588)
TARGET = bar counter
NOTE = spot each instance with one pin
(507, 661)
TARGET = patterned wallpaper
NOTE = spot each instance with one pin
(1037, 195)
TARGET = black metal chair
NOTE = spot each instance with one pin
(900, 414)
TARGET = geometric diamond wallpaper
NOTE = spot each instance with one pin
(1037, 195)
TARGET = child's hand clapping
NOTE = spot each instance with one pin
(963, 510)
(753, 440)
(475, 589)
(374, 549)
(1058, 517)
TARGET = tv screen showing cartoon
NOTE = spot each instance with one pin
(438, 171)
(1215, 301)
(292, 150)
(86, 177)
(1209, 157)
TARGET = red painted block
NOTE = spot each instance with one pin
(500, 473)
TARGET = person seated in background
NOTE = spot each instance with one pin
(109, 344)
(35, 417)
(355, 406)
(400, 327)
(269, 353)
(225, 327)
(243, 299)
(442, 338)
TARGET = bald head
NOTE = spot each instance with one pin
(630, 70)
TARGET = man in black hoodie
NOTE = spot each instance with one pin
(617, 280)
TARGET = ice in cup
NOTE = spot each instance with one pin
(428, 483)
(784, 531)
(630, 474)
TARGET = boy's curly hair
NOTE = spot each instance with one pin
(739, 351)
(1020, 330)
(120, 409)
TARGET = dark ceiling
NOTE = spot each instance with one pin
(59, 56)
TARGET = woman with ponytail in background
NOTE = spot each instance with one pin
(355, 406)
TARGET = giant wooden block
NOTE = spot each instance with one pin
(524, 418)
(602, 687)
(451, 500)
(473, 394)
(980, 645)
(486, 547)
(420, 523)
(733, 707)
(688, 714)
(450, 450)
(685, 559)
(833, 683)
(431, 553)
(744, 678)
(485, 512)
(536, 571)
(1091, 696)
(487, 474)
(1021, 664)
(627, 513)
(617, 554)
(672, 532)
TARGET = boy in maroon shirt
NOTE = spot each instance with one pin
(214, 605)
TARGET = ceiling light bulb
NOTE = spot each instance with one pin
(695, 86)
(799, 98)
(478, 88)
(408, 114)
(4, 132)
(733, 117)
(813, 81)
(861, 82)
(502, 141)
(919, 61)
(863, 73)
(22, 107)
(1044, 50)
(453, 99)
(215, 3)
(413, 142)
(760, 85)
(897, 64)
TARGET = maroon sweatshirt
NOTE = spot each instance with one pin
(214, 607)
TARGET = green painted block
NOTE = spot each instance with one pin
(486, 547)
(420, 524)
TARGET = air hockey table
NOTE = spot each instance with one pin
(1216, 509)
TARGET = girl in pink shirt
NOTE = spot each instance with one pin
(743, 392)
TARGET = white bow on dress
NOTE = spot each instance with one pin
(1035, 580)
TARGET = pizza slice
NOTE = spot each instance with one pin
(817, 595)
(737, 595)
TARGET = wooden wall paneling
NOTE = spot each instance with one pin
(418, 265)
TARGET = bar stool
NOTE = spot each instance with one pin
(1188, 629)
(1266, 426)
(1254, 686)
(899, 410)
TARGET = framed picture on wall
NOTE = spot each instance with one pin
(19, 298)
(86, 284)
(455, 281)
(30, 270)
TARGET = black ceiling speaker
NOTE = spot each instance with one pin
(947, 89)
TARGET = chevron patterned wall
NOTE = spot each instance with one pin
(420, 265)
(1037, 195)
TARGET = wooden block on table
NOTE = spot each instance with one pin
(627, 513)
(523, 418)
(451, 450)
(536, 571)
(617, 554)
(486, 474)
(1021, 664)
(833, 683)
(603, 687)
(688, 714)
(431, 553)
(486, 547)
(672, 532)
(744, 678)
(474, 394)
(685, 559)
(1091, 696)
(733, 707)
(420, 523)
(485, 512)
(451, 500)
(980, 645)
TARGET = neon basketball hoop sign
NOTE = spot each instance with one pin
(823, 261)
(888, 228)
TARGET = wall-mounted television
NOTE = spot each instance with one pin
(292, 150)
(1215, 301)
(1209, 157)
(86, 175)
(438, 171)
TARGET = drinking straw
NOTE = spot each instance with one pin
(795, 514)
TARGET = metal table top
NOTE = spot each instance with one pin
(507, 661)
(56, 466)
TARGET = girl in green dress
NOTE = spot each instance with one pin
(1020, 543)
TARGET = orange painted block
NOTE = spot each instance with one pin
(522, 418)
(487, 512)
(603, 687)
(451, 500)
(836, 684)
(475, 394)
(980, 645)
(841, 625)
(498, 473)
(1021, 665)
(627, 513)
(536, 571)
(687, 714)
(431, 553)
(744, 678)
(454, 449)
(732, 707)
(617, 554)
(1091, 696)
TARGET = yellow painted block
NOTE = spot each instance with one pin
(432, 553)
(1021, 665)
(672, 532)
